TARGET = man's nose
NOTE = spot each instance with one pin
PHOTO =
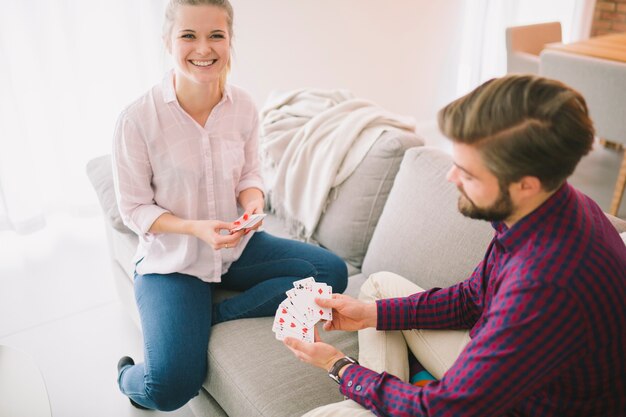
(452, 175)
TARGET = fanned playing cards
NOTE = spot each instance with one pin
(298, 313)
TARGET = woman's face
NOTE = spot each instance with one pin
(199, 43)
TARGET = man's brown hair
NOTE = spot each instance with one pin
(522, 125)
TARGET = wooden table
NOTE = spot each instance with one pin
(611, 47)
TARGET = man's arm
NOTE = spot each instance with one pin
(530, 337)
(456, 307)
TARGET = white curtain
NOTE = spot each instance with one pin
(483, 49)
(67, 68)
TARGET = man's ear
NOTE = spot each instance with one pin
(529, 186)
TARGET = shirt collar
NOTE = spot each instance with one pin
(169, 94)
(514, 237)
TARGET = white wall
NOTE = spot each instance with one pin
(401, 54)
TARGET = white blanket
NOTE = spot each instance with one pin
(312, 140)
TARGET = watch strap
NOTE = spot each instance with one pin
(334, 370)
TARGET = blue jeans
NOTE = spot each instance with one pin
(177, 312)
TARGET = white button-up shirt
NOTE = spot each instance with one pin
(164, 161)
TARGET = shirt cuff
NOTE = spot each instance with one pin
(391, 314)
(355, 383)
(144, 217)
(245, 184)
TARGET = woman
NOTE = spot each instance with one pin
(185, 158)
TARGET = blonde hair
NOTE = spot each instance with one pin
(170, 15)
(522, 125)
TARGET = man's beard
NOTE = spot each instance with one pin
(500, 210)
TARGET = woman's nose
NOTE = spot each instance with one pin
(203, 47)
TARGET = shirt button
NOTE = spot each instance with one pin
(358, 388)
(349, 383)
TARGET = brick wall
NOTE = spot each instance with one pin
(609, 17)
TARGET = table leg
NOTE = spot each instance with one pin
(619, 188)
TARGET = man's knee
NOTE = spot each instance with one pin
(386, 284)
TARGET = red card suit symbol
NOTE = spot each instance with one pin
(320, 291)
(293, 325)
(321, 313)
(284, 311)
(245, 217)
(305, 330)
(281, 321)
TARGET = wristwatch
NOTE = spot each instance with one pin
(334, 371)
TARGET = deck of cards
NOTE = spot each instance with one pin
(298, 313)
(252, 220)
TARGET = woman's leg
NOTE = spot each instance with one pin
(175, 312)
(267, 269)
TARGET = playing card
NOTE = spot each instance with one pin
(303, 303)
(321, 290)
(304, 283)
(297, 315)
(285, 318)
(305, 334)
(253, 219)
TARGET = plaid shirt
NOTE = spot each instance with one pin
(547, 313)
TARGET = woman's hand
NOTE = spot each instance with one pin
(252, 201)
(209, 232)
(348, 313)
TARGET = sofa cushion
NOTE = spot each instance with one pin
(253, 374)
(619, 224)
(100, 174)
(420, 234)
(354, 207)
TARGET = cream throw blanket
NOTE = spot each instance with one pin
(311, 141)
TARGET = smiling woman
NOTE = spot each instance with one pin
(185, 163)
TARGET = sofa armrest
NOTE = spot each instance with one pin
(100, 173)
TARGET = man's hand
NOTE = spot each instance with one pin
(319, 354)
(349, 314)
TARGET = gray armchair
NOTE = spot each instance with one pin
(603, 84)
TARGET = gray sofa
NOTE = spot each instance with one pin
(406, 223)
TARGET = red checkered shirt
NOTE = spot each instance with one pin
(547, 313)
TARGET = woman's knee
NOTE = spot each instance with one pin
(337, 272)
(170, 392)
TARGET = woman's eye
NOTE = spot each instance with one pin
(217, 36)
(188, 36)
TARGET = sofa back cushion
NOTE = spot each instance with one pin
(354, 207)
(100, 173)
(420, 234)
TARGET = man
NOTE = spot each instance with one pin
(539, 328)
